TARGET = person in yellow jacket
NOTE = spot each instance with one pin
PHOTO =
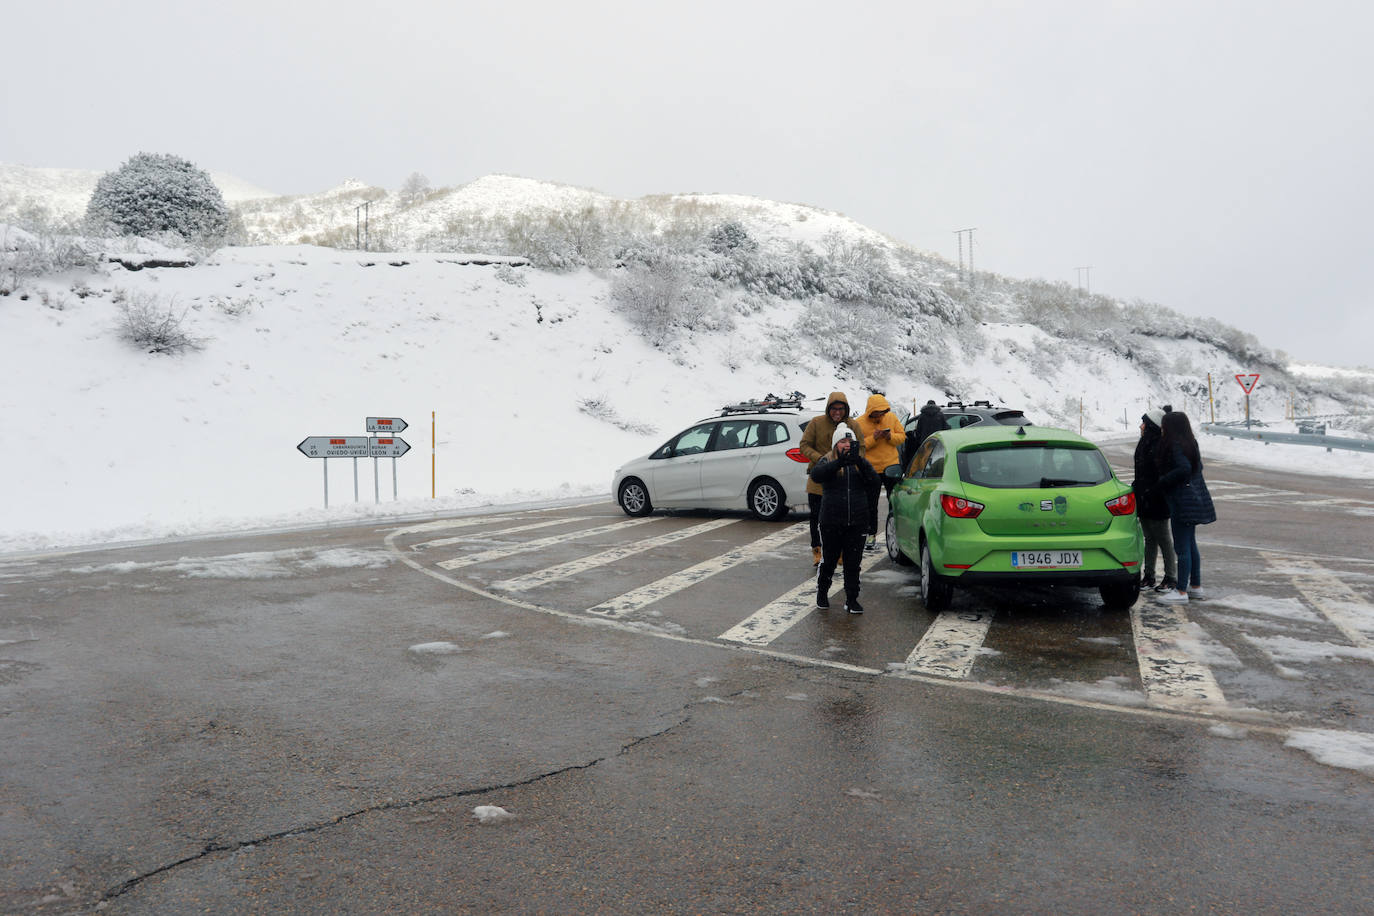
(883, 436)
(815, 444)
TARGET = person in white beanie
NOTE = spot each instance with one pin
(846, 478)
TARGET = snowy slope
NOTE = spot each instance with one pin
(538, 387)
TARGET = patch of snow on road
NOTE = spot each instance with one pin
(1348, 750)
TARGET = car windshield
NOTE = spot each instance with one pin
(1033, 466)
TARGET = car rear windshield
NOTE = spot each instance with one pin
(1034, 466)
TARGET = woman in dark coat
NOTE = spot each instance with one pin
(846, 479)
(1150, 505)
(1190, 504)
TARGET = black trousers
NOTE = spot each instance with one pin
(884, 483)
(847, 540)
(813, 502)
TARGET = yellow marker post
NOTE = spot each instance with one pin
(432, 479)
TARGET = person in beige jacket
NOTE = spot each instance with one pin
(883, 436)
(815, 444)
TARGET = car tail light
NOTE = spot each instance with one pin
(958, 507)
(1122, 505)
(796, 455)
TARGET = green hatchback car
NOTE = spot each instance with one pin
(1014, 505)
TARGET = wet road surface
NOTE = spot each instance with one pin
(307, 721)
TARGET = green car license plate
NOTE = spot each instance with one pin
(1046, 559)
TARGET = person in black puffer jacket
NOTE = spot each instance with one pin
(1150, 506)
(1190, 503)
(846, 478)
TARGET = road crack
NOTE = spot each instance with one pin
(211, 849)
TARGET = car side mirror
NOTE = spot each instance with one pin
(893, 471)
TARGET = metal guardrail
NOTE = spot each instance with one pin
(1326, 442)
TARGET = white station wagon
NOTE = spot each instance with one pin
(748, 457)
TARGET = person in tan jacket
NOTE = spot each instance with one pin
(883, 436)
(815, 444)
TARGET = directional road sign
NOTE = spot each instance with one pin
(335, 447)
(391, 447)
(1247, 381)
(386, 424)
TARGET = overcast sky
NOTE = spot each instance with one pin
(1214, 157)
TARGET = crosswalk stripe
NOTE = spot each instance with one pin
(778, 616)
(1171, 676)
(581, 565)
(775, 618)
(951, 644)
(1336, 601)
(464, 538)
(497, 553)
(447, 523)
(655, 591)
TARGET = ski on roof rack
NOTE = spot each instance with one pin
(768, 402)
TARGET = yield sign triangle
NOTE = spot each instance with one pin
(1247, 381)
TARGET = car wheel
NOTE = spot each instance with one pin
(936, 591)
(894, 552)
(767, 500)
(634, 498)
(1120, 595)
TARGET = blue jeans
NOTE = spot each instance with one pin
(1189, 560)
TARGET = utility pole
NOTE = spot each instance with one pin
(1081, 272)
(960, 234)
(360, 212)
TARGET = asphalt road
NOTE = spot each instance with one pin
(312, 722)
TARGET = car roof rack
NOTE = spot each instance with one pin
(961, 404)
(792, 401)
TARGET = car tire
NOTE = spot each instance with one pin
(894, 551)
(936, 590)
(767, 500)
(634, 498)
(1120, 596)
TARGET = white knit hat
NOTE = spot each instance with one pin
(841, 432)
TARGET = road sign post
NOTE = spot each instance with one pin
(355, 447)
(392, 447)
(327, 447)
(1247, 382)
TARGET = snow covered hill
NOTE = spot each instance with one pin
(540, 382)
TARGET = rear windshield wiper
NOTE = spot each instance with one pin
(1050, 482)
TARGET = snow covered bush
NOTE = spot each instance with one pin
(35, 254)
(153, 193)
(152, 326)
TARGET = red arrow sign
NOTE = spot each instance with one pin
(1248, 381)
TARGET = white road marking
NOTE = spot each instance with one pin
(777, 617)
(497, 553)
(950, 645)
(655, 591)
(1172, 677)
(606, 557)
(447, 523)
(1336, 601)
(463, 538)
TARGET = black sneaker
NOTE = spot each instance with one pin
(1167, 584)
(1147, 582)
(853, 606)
(822, 600)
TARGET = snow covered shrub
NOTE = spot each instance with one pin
(152, 326)
(601, 408)
(661, 299)
(153, 193)
(859, 339)
(35, 254)
(507, 274)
